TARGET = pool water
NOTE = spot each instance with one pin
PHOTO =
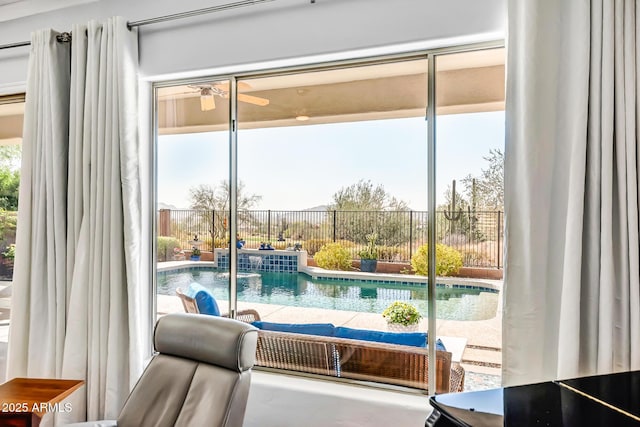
(301, 290)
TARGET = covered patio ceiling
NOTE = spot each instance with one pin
(466, 83)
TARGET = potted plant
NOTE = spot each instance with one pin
(195, 254)
(369, 255)
(7, 261)
(402, 317)
(178, 254)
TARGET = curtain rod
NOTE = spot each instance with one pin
(171, 17)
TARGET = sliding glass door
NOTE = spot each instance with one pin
(304, 193)
(470, 210)
(331, 168)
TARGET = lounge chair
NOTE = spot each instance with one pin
(191, 306)
(403, 365)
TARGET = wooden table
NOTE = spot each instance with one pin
(23, 401)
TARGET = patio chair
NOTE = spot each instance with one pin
(191, 306)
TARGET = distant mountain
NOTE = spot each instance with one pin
(321, 208)
(316, 208)
(315, 214)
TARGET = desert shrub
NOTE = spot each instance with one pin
(165, 247)
(346, 243)
(280, 245)
(314, 245)
(455, 240)
(220, 242)
(8, 221)
(392, 253)
(448, 260)
(10, 253)
(476, 258)
(333, 256)
(206, 243)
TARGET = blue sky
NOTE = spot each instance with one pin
(300, 167)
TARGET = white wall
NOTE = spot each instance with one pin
(286, 401)
(275, 31)
(270, 31)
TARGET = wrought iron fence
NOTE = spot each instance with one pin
(477, 235)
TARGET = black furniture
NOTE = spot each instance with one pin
(603, 400)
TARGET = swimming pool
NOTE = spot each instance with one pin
(301, 290)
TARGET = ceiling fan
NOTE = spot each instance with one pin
(209, 91)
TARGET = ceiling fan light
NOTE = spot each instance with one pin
(302, 118)
(207, 102)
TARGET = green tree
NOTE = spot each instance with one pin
(9, 187)
(207, 198)
(9, 176)
(486, 192)
(364, 208)
(363, 196)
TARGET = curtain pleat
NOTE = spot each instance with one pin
(78, 258)
(572, 278)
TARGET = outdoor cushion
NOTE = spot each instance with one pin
(414, 339)
(322, 329)
(206, 302)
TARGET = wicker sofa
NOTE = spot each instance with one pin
(396, 364)
(355, 359)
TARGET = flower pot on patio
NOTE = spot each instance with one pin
(195, 255)
(368, 265)
(369, 255)
(195, 251)
(402, 317)
(398, 327)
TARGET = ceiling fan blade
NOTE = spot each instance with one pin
(255, 100)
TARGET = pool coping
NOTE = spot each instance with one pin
(387, 278)
(317, 272)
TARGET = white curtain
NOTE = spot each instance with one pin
(78, 300)
(572, 280)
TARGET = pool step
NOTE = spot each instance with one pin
(484, 370)
(490, 357)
